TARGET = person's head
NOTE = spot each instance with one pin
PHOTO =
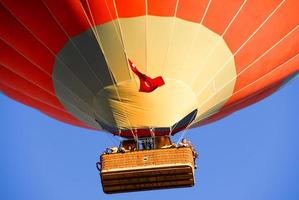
(184, 140)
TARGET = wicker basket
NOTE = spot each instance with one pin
(147, 169)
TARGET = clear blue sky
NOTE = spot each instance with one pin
(251, 155)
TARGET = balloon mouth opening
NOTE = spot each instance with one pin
(182, 124)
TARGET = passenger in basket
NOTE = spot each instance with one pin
(172, 145)
(185, 143)
(128, 149)
(122, 150)
(111, 150)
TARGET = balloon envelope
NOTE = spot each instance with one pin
(137, 68)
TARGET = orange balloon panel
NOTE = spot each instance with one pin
(143, 67)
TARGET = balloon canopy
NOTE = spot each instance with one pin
(144, 67)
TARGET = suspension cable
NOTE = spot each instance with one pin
(96, 34)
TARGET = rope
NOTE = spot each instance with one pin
(246, 68)
(187, 128)
(93, 27)
(171, 36)
(222, 67)
(39, 67)
(214, 47)
(74, 45)
(231, 57)
(260, 78)
(121, 38)
(146, 36)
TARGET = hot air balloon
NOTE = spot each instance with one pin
(144, 69)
